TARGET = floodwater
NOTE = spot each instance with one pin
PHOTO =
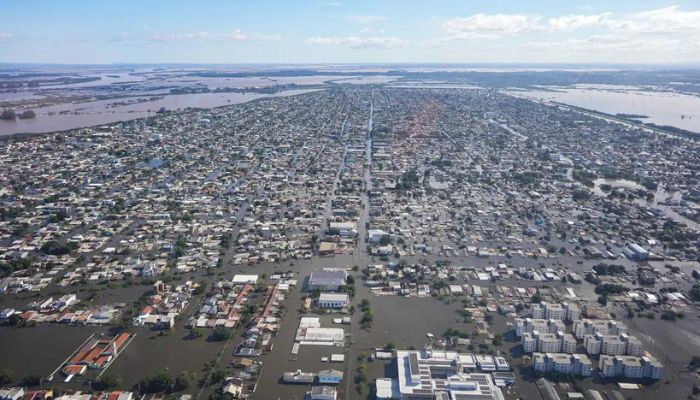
(41, 349)
(403, 321)
(661, 108)
(366, 80)
(243, 82)
(660, 196)
(615, 183)
(80, 115)
(105, 79)
(434, 85)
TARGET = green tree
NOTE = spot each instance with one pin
(497, 339)
(694, 363)
(196, 333)
(695, 292)
(157, 383)
(182, 380)
(31, 380)
(109, 381)
(6, 376)
(364, 304)
(220, 334)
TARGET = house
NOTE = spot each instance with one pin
(7, 313)
(322, 393)
(330, 377)
(38, 395)
(332, 300)
(74, 369)
(233, 386)
(12, 393)
(327, 248)
(376, 235)
(298, 377)
(149, 270)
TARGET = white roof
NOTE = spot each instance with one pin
(324, 334)
(387, 388)
(333, 297)
(241, 278)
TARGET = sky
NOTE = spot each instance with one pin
(346, 31)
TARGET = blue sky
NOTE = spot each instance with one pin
(345, 31)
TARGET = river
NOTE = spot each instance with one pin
(661, 108)
(80, 115)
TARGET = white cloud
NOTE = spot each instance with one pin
(178, 37)
(669, 33)
(492, 24)
(356, 42)
(6, 36)
(235, 35)
(660, 34)
(122, 37)
(366, 19)
(497, 25)
(662, 20)
(239, 35)
(623, 46)
(568, 23)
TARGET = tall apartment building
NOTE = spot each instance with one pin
(630, 367)
(612, 345)
(570, 364)
(530, 325)
(559, 312)
(559, 342)
(529, 342)
(585, 327)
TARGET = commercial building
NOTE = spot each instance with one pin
(431, 375)
(242, 279)
(569, 364)
(311, 332)
(636, 252)
(96, 353)
(387, 388)
(327, 279)
(332, 300)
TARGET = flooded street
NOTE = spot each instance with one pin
(41, 349)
